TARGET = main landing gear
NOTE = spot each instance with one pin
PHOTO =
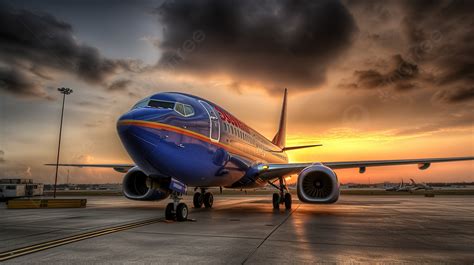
(203, 197)
(283, 197)
(176, 210)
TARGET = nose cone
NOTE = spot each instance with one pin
(138, 138)
(124, 124)
(127, 116)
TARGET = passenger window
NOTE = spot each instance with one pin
(180, 109)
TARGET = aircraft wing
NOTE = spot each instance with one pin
(122, 168)
(270, 171)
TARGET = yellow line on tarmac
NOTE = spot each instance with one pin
(10, 254)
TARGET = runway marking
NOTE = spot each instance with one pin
(198, 235)
(268, 236)
(71, 239)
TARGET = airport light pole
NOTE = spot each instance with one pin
(65, 91)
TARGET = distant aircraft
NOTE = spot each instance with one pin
(404, 187)
(395, 188)
(178, 140)
(409, 187)
(420, 186)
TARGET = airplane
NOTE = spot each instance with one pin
(409, 187)
(395, 188)
(405, 187)
(178, 140)
(420, 186)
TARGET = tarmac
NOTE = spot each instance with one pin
(245, 229)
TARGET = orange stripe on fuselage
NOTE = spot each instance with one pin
(157, 125)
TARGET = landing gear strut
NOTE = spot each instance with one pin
(176, 210)
(203, 197)
(283, 197)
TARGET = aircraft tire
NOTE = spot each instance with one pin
(288, 201)
(197, 200)
(208, 199)
(182, 212)
(169, 212)
(276, 201)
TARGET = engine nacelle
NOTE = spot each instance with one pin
(137, 185)
(318, 184)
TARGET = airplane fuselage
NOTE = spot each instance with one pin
(194, 141)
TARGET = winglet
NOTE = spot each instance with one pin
(280, 137)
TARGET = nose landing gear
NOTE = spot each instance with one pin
(176, 210)
(283, 197)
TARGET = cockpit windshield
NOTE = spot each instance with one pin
(183, 109)
(142, 103)
(160, 104)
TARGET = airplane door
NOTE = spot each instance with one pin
(215, 131)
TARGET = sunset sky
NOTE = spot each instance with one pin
(367, 79)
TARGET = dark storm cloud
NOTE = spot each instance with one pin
(436, 37)
(441, 32)
(282, 43)
(119, 85)
(456, 95)
(460, 120)
(399, 76)
(17, 83)
(30, 41)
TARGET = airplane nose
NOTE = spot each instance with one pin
(139, 149)
(123, 123)
(133, 135)
(136, 136)
(127, 116)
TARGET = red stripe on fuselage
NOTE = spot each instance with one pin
(226, 116)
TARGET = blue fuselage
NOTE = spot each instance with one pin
(194, 141)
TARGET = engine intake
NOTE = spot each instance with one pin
(137, 185)
(318, 184)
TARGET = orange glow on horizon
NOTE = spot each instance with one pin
(351, 145)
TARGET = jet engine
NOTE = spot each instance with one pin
(138, 186)
(318, 184)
